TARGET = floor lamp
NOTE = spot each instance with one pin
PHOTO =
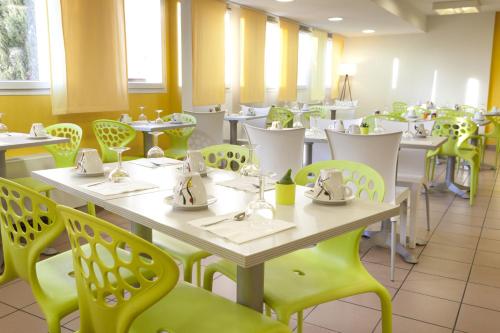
(346, 70)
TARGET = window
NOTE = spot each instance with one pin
(227, 49)
(328, 63)
(272, 55)
(305, 55)
(144, 26)
(24, 55)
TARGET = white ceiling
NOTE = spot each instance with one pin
(357, 14)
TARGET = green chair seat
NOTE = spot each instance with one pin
(34, 184)
(187, 309)
(178, 154)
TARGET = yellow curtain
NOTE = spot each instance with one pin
(337, 51)
(317, 91)
(208, 52)
(289, 60)
(88, 56)
(252, 54)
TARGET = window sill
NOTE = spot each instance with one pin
(24, 92)
(146, 88)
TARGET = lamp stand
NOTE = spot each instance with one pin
(346, 85)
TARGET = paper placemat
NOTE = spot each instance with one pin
(155, 162)
(240, 232)
(247, 184)
(110, 188)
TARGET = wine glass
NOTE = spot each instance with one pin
(250, 169)
(158, 120)
(155, 151)
(3, 127)
(142, 116)
(260, 208)
(119, 174)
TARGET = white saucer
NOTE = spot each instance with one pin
(80, 174)
(176, 122)
(210, 200)
(38, 137)
(310, 195)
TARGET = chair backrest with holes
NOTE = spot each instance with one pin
(28, 226)
(320, 111)
(366, 183)
(458, 130)
(179, 137)
(111, 297)
(65, 153)
(226, 157)
(283, 115)
(450, 113)
(399, 108)
(111, 133)
(208, 130)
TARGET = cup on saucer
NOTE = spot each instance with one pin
(196, 162)
(354, 129)
(38, 131)
(189, 190)
(420, 130)
(176, 118)
(411, 113)
(88, 162)
(125, 118)
(330, 186)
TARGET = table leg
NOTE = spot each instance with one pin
(148, 142)
(233, 132)
(142, 231)
(414, 189)
(450, 179)
(308, 148)
(250, 286)
(3, 173)
(333, 114)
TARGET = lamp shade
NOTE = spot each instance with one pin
(347, 69)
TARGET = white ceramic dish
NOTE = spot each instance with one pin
(210, 200)
(38, 137)
(310, 195)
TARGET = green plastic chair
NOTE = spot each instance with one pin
(179, 137)
(370, 120)
(112, 133)
(150, 300)
(225, 156)
(399, 108)
(450, 113)
(458, 131)
(329, 271)
(495, 135)
(320, 111)
(283, 115)
(64, 154)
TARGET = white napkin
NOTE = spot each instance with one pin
(240, 232)
(110, 188)
(247, 184)
(155, 162)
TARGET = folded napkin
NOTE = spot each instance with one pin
(155, 162)
(110, 188)
(240, 232)
(247, 184)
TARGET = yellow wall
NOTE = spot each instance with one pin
(494, 90)
(21, 111)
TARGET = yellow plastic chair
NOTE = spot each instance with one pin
(179, 137)
(112, 133)
(151, 301)
(329, 271)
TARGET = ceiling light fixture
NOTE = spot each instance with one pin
(368, 31)
(285, 0)
(456, 7)
(335, 19)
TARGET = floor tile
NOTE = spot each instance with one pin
(369, 300)
(447, 238)
(433, 285)
(449, 252)
(459, 229)
(344, 317)
(74, 324)
(478, 320)
(489, 245)
(491, 233)
(490, 259)
(425, 308)
(22, 322)
(482, 296)
(462, 219)
(5, 310)
(382, 274)
(34, 309)
(471, 211)
(492, 223)
(382, 256)
(485, 275)
(407, 325)
(17, 294)
(441, 267)
(309, 328)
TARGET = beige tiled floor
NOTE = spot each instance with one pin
(454, 288)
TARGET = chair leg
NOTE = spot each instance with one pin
(393, 247)
(385, 301)
(300, 321)
(188, 271)
(427, 208)
(198, 273)
(267, 309)
(208, 278)
(91, 208)
(54, 325)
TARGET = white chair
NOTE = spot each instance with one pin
(208, 130)
(411, 172)
(328, 123)
(277, 150)
(380, 152)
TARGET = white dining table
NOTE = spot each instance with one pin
(147, 127)
(234, 119)
(148, 210)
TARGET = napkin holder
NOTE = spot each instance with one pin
(285, 194)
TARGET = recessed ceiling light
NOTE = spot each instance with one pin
(285, 0)
(456, 7)
(368, 31)
(335, 19)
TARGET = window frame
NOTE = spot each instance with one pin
(306, 86)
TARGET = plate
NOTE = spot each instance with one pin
(210, 200)
(38, 137)
(310, 195)
(98, 174)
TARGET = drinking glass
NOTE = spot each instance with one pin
(260, 208)
(119, 174)
(155, 151)
(3, 127)
(250, 169)
(142, 116)
(158, 120)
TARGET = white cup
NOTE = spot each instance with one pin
(37, 130)
(189, 190)
(196, 162)
(330, 186)
(353, 129)
(420, 130)
(479, 115)
(176, 117)
(275, 125)
(339, 126)
(411, 113)
(125, 118)
(89, 162)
